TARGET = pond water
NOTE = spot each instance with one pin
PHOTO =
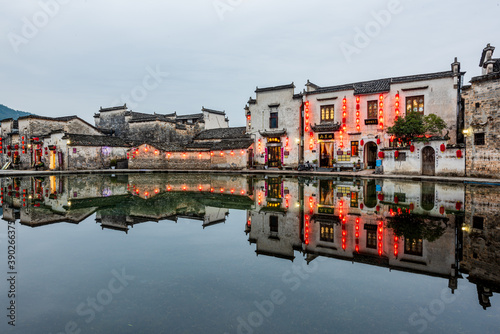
(175, 253)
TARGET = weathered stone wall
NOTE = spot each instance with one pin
(446, 164)
(90, 157)
(157, 131)
(482, 106)
(148, 157)
(115, 120)
(481, 254)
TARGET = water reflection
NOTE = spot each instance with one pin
(439, 230)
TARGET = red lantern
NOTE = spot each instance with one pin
(380, 197)
(443, 147)
(396, 154)
(396, 200)
(412, 206)
(459, 154)
(412, 148)
(378, 141)
(377, 208)
(381, 155)
(441, 210)
(16, 147)
(362, 142)
(8, 153)
(361, 206)
(458, 206)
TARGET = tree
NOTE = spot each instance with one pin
(414, 126)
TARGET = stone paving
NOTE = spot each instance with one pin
(365, 174)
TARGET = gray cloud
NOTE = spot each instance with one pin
(92, 52)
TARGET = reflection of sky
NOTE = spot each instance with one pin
(195, 280)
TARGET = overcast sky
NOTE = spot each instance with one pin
(69, 57)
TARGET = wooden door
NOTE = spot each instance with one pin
(428, 161)
(274, 159)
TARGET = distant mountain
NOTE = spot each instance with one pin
(6, 112)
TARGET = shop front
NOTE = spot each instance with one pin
(326, 149)
(274, 152)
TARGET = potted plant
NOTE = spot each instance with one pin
(112, 163)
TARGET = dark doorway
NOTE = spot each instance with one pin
(370, 155)
(274, 158)
(428, 161)
(250, 158)
(326, 155)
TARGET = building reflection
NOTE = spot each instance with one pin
(433, 229)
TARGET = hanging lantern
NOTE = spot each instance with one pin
(361, 206)
(441, 210)
(458, 206)
(381, 155)
(378, 141)
(442, 147)
(377, 208)
(380, 197)
(459, 154)
(362, 142)
(412, 148)
(396, 154)
(412, 206)
(396, 200)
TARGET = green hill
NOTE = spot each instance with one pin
(6, 112)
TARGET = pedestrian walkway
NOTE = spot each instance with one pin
(364, 174)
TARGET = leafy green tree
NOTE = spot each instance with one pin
(414, 126)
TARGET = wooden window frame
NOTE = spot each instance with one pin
(327, 113)
(411, 99)
(372, 107)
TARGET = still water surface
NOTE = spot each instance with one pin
(241, 254)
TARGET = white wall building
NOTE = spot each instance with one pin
(348, 123)
(274, 122)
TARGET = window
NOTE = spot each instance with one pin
(413, 246)
(401, 197)
(479, 138)
(415, 104)
(326, 232)
(371, 236)
(343, 156)
(478, 222)
(372, 109)
(273, 120)
(354, 148)
(327, 113)
(401, 157)
(354, 199)
(274, 188)
(273, 224)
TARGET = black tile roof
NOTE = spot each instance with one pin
(224, 145)
(191, 116)
(381, 85)
(269, 89)
(87, 140)
(212, 111)
(167, 147)
(222, 133)
(113, 108)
